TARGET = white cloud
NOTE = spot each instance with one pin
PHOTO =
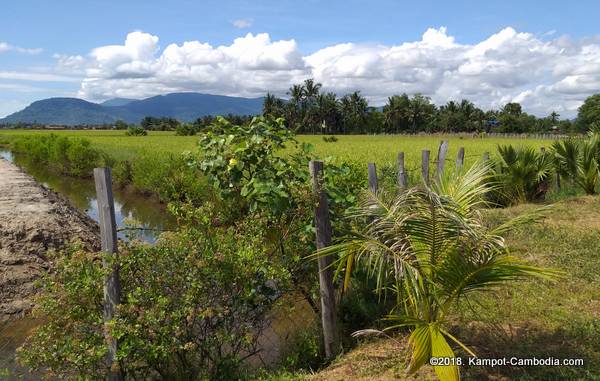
(242, 23)
(543, 74)
(6, 47)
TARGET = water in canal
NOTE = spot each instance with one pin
(145, 212)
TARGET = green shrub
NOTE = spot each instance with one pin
(186, 129)
(192, 306)
(520, 174)
(135, 131)
(71, 156)
(578, 160)
(330, 139)
(166, 175)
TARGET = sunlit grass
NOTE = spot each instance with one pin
(381, 149)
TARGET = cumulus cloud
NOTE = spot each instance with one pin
(542, 73)
(6, 47)
(242, 23)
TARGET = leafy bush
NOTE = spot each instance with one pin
(192, 306)
(186, 129)
(168, 176)
(243, 164)
(428, 249)
(253, 178)
(330, 139)
(71, 156)
(136, 131)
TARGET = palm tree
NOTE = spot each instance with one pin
(421, 111)
(396, 113)
(522, 174)
(579, 160)
(554, 117)
(326, 112)
(429, 249)
(354, 110)
(269, 104)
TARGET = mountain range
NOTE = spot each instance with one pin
(184, 107)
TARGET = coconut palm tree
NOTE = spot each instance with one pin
(396, 113)
(429, 249)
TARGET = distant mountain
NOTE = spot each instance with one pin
(185, 107)
(63, 111)
(117, 102)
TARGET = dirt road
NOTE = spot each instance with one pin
(33, 220)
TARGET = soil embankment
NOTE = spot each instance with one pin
(33, 220)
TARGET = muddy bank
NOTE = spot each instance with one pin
(33, 220)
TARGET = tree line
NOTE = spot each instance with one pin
(308, 110)
(311, 111)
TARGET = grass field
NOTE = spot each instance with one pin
(380, 149)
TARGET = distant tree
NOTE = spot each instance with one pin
(354, 110)
(396, 113)
(512, 108)
(121, 125)
(589, 113)
(421, 112)
(327, 113)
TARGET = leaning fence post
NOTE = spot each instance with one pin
(323, 238)
(425, 165)
(442, 151)
(460, 158)
(373, 184)
(112, 285)
(402, 177)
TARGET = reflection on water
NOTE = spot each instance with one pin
(146, 212)
(12, 335)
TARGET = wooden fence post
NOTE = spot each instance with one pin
(373, 184)
(402, 176)
(425, 165)
(441, 159)
(112, 285)
(460, 158)
(323, 238)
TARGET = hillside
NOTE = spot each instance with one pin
(185, 107)
(63, 111)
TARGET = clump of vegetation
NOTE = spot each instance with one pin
(71, 156)
(193, 305)
(428, 249)
(521, 174)
(186, 129)
(330, 139)
(136, 131)
(578, 160)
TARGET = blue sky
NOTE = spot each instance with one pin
(543, 55)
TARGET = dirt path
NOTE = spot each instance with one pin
(33, 219)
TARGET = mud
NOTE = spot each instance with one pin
(33, 220)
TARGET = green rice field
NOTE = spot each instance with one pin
(380, 149)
